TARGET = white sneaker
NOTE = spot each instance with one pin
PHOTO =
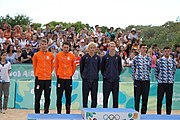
(3, 111)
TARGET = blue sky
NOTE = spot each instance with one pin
(116, 13)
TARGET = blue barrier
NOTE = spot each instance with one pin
(54, 117)
(160, 117)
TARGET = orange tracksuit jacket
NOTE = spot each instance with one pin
(65, 65)
(43, 64)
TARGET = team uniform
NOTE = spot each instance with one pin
(4, 84)
(164, 73)
(89, 69)
(111, 67)
(43, 63)
(65, 68)
(141, 69)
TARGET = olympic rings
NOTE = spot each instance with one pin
(111, 117)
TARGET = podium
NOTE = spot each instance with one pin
(110, 114)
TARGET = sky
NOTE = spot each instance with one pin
(110, 13)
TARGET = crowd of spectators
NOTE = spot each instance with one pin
(22, 45)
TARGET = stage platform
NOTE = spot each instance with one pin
(54, 117)
(103, 114)
(160, 117)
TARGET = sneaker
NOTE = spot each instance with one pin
(3, 111)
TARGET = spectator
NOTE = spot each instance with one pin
(23, 41)
(5, 68)
(40, 35)
(28, 32)
(156, 50)
(11, 55)
(47, 30)
(33, 29)
(2, 39)
(101, 51)
(82, 45)
(27, 54)
(133, 36)
(7, 33)
(57, 30)
(35, 44)
(78, 58)
(49, 38)
(177, 51)
(151, 54)
(17, 31)
(98, 33)
(122, 50)
(18, 54)
(53, 41)
(29, 39)
(123, 60)
(178, 61)
(129, 60)
(4, 46)
(52, 49)
(69, 35)
(5, 26)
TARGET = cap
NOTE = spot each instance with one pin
(52, 47)
(57, 26)
(133, 29)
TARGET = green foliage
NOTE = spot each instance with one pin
(104, 29)
(22, 20)
(36, 25)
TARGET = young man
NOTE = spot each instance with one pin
(111, 67)
(141, 68)
(65, 68)
(89, 69)
(43, 63)
(164, 73)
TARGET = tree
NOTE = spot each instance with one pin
(104, 29)
(36, 25)
(22, 20)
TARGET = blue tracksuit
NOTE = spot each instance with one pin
(89, 69)
(111, 67)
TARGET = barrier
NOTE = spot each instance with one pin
(25, 72)
(23, 90)
(25, 96)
